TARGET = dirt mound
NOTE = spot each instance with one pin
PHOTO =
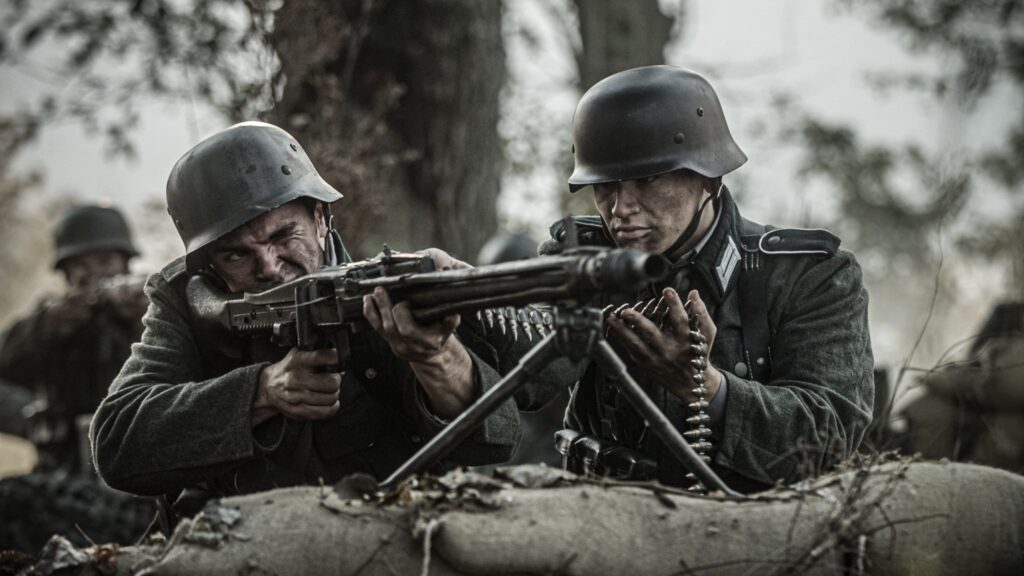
(36, 506)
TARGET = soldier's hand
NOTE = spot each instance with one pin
(665, 353)
(443, 260)
(64, 316)
(298, 387)
(409, 340)
(442, 365)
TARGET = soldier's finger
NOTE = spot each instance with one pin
(645, 329)
(387, 318)
(310, 360)
(704, 322)
(629, 339)
(405, 324)
(677, 318)
(371, 313)
(313, 398)
(450, 323)
(324, 382)
(308, 412)
(443, 260)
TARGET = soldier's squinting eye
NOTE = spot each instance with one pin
(233, 256)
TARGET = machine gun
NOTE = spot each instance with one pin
(325, 308)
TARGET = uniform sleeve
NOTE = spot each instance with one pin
(496, 438)
(815, 409)
(163, 426)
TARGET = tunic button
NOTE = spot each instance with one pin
(773, 240)
(740, 369)
(760, 361)
(684, 285)
(416, 439)
(370, 373)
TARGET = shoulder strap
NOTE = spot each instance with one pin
(759, 243)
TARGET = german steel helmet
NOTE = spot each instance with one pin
(236, 175)
(649, 121)
(89, 228)
(506, 247)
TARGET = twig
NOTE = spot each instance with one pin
(428, 534)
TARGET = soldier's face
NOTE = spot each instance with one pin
(276, 247)
(651, 213)
(88, 269)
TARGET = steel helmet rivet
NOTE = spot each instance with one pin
(679, 137)
(286, 169)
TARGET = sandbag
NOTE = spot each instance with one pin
(894, 518)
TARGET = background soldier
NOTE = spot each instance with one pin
(190, 412)
(71, 347)
(786, 389)
(970, 411)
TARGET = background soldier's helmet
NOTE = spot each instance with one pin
(506, 247)
(89, 228)
(236, 175)
(648, 121)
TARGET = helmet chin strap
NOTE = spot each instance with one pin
(691, 229)
(334, 248)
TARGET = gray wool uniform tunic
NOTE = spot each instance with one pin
(812, 409)
(178, 414)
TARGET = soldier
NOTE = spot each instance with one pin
(785, 390)
(185, 413)
(506, 247)
(71, 347)
(970, 410)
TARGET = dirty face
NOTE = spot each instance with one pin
(649, 214)
(87, 269)
(276, 247)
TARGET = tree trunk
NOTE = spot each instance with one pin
(619, 35)
(615, 36)
(397, 103)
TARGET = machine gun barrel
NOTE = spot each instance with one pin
(565, 278)
(301, 312)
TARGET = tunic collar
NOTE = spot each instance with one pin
(716, 260)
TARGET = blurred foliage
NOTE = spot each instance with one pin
(213, 50)
(893, 196)
(394, 100)
(888, 197)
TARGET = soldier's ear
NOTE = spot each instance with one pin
(320, 219)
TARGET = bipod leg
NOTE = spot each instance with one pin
(614, 367)
(463, 425)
